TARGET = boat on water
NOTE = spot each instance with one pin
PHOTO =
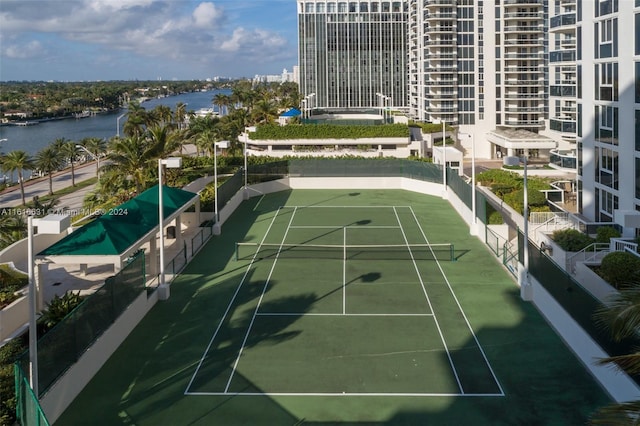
(205, 112)
(26, 123)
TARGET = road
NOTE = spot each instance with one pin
(40, 187)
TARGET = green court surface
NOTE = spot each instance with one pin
(364, 307)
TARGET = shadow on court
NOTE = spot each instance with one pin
(173, 350)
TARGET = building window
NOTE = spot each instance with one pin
(637, 177)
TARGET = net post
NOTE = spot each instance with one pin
(236, 254)
(453, 254)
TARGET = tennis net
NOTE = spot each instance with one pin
(249, 251)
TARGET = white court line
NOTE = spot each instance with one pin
(424, 290)
(486, 360)
(320, 314)
(226, 312)
(399, 394)
(264, 289)
(339, 227)
(346, 207)
(344, 271)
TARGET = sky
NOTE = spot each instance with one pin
(91, 40)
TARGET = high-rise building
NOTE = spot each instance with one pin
(352, 55)
(482, 65)
(549, 78)
(608, 99)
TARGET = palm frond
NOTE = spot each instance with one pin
(627, 413)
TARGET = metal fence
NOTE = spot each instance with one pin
(575, 299)
(28, 410)
(230, 187)
(62, 346)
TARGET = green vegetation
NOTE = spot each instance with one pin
(620, 317)
(431, 127)
(56, 310)
(328, 131)
(509, 187)
(10, 282)
(618, 268)
(605, 233)
(571, 239)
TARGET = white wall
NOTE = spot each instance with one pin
(64, 391)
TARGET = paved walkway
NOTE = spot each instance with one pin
(10, 197)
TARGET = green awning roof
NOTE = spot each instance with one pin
(114, 233)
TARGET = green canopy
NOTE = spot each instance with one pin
(115, 232)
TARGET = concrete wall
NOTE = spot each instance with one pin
(13, 318)
(618, 384)
(64, 391)
(17, 252)
(599, 288)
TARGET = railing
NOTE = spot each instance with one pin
(592, 253)
(28, 409)
(619, 244)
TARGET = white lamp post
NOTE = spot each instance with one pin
(33, 307)
(444, 158)
(473, 230)
(308, 104)
(118, 125)
(172, 163)
(223, 145)
(526, 291)
(95, 157)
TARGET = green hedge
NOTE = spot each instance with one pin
(620, 269)
(509, 186)
(571, 239)
(328, 131)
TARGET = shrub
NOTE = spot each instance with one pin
(327, 131)
(619, 268)
(605, 233)
(58, 308)
(571, 239)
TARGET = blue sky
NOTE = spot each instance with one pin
(88, 40)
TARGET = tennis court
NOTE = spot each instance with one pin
(341, 307)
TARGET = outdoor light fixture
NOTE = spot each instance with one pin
(223, 145)
(172, 163)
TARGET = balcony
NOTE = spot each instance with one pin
(563, 125)
(523, 15)
(524, 42)
(563, 90)
(562, 56)
(439, 16)
(567, 19)
(523, 28)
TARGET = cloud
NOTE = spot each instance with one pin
(27, 50)
(206, 14)
(194, 33)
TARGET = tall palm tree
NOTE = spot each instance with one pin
(49, 159)
(137, 119)
(18, 161)
(97, 147)
(223, 101)
(621, 316)
(69, 153)
(180, 114)
(163, 139)
(264, 112)
(132, 158)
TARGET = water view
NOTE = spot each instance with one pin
(33, 138)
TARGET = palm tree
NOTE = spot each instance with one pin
(12, 228)
(69, 152)
(180, 114)
(137, 119)
(164, 139)
(97, 147)
(132, 158)
(621, 316)
(264, 112)
(49, 160)
(222, 100)
(18, 161)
